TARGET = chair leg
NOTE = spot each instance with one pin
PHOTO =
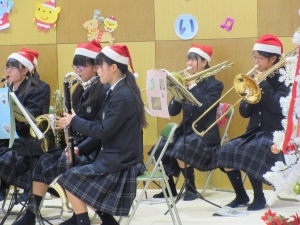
(2, 210)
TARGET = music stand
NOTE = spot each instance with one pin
(184, 97)
(30, 204)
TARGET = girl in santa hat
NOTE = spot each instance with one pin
(199, 150)
(251, 151)
(86, 103)
(18, 71)
(109, 184)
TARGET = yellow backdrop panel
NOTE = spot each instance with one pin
(280, 18)
(22, 29)
(210, 15)
(135, 19)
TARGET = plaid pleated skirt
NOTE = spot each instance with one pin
(197, 154)
(110, 193)
(250, 153)
(53, 163)
(22, 167)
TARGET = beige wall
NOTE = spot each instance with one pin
(146, 26)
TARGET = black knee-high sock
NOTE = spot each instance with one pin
(29, 216)
(259, 201)
(256, 185)
(190, 176)
(236, 181)
(172, 185)
(107, 219)
(83, 219)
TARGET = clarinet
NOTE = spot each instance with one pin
(68, 109)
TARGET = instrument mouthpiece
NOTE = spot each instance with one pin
(3, 79)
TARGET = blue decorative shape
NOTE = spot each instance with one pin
(186, 26)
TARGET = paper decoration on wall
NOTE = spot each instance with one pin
(186, 26)
(46, 15)
(5, 8)
(104, 34)
(230, 23)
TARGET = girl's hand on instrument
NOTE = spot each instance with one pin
(66, 120)
(58, 123)
(190, 83)
(76, 152)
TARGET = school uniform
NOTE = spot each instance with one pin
(23, 145)
(109, 183)
(53, 163)
(199, 150)
(251, 152)
(45, 92)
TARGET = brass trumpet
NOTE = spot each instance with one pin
(203, 74)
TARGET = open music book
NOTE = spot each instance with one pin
(179, 91)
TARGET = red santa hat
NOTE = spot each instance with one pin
(111, 19)
(90, 49)
(204, 51)
(269, 43)
(24, 58)
(120, 54)
(34, 53)
(50, 4)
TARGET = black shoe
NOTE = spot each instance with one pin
(189, 196)
(258, 203)
(161, 194)
(71, 221)
(239, 201)
(23, 197)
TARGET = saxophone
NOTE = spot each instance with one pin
(68, 132)
(68, 106)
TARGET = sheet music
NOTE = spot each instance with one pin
(179, 91)
(23, 112)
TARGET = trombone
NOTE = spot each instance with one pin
(213, 105)
(203, 74)
(247, 88)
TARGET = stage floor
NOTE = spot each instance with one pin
(191, 213)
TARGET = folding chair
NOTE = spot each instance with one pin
(158, 174)
(223, 124)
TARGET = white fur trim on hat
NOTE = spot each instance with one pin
(200, 52)
(86, 52)
(35, 61)
(114, 55)
(25, 62)
(267, 48)
(49, 4)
